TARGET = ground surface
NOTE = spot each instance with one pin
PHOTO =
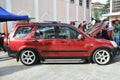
(58, 70)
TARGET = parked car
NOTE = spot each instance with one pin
(33, 42)
(100, 31)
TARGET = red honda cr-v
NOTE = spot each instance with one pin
(32, 42)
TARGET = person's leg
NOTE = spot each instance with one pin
(116, 39)
(4, 49)
(119, 42)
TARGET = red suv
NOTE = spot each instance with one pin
(33, 42)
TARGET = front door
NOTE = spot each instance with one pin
(68, 43)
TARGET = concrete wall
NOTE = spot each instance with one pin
(72, 12)
(48, 10)
(2, 3)
(61, 10)
(81, 12)
(88, 15)
(45, 10)
(23, 7)
(115, 17)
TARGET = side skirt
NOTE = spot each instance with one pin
(83, 57)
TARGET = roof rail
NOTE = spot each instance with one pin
(34, 22)
(52, 21)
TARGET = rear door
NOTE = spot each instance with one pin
(46, 42)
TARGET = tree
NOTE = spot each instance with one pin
(106, 7)
(96, 14)
(104, 10)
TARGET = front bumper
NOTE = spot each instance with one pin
(115, 52)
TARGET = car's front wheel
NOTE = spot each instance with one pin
(101, 56)
(28, 57)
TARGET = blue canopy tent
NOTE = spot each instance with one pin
(7, 16)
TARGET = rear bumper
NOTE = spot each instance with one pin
(11, 53)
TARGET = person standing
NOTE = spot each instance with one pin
(1, 43)
(93, 22)
(116, 32)
(84, 26)
(105, 33)
(80, 27)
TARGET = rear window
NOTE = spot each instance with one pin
(46, 32)
(22, 31)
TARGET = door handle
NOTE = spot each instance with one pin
(34, 41)
(63, 41)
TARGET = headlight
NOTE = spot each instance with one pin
(114, 43)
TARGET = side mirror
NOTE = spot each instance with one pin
(81, 37)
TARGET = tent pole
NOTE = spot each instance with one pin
(6, 29)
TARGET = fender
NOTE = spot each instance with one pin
(18, 55)
(91, 55)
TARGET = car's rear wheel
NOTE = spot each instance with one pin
(28, 57)
(102, 56)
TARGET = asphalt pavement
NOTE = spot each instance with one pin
(10, 69)
(4, 56)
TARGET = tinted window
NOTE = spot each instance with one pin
(22, 31)
(67, 33)
(80, 2)
(87, 3)
(72, 1)
(46, 32)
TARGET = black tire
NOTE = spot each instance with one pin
(28, 57)
(102, 56)
(87, 61)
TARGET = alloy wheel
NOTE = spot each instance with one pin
(102, 57)
(28, 57)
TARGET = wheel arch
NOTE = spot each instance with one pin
(36, 52)
(91, 55)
